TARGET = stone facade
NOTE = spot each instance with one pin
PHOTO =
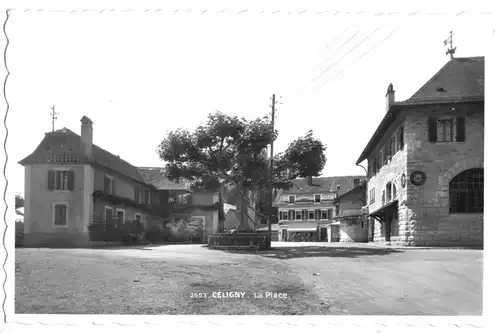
(423, 214)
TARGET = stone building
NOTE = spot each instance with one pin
(425, 162)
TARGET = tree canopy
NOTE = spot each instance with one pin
(228, 154)
(19, 201)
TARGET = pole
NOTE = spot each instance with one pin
(54, 116)
(270, 185)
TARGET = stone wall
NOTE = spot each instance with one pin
(427, 206)
(423, 216)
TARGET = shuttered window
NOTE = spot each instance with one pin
(61, 180)
(60, 215)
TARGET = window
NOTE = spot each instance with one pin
(298, 215)
(108, 214)
(372, 195)
(383, 197)
(310, 215)
(60, 215)
(394, 192)
(317, 198)
(138, 218)
(467, 192)
(447, 129)
(380, 159)
(401, 138)
(388, 191)
(61, 180)
(291, 199)
(324, 214)
(393, 145)
(120, 216)
(137, 194)
(362, 224)
(285, 215)
(108, 184)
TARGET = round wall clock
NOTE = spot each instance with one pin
(403, 180)
(417, 178)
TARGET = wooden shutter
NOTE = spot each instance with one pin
(289, 216)
(281, 215)
(51, 178)
(432, 129)
(460, 129)
(330, 213)
(71, 180)
(293, 215)
(317, 214)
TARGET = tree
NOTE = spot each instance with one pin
(19, 201)
(225, 152)
(228, 154)
(307, 155)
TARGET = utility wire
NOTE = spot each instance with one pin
(345, 55)
(364, 54)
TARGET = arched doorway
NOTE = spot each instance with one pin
(466, 191)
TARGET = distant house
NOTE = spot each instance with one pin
(426, 162)
(308, 208)
(71, 182)
(350, 221)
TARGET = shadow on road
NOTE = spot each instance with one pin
(316, 251)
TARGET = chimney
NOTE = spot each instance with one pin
(356, 182)
(389, 96)
(86, 136)
(309, 180)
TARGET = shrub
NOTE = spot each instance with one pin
(154, 234)
(19, 234)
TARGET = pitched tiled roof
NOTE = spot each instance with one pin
(100, 156)
(155, 177)
(460, 80)
(322, 185)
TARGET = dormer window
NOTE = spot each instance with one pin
(317, 198)
(291, 199)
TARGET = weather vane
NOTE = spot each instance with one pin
(451, 50)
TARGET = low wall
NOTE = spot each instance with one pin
(238, 239)
(61, 239)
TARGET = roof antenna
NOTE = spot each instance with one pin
(54, 115)
(451, 49)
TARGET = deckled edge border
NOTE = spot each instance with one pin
(201, 12)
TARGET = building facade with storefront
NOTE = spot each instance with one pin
(307, 210)
(426, 162)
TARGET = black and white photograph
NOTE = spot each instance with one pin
(271, 159)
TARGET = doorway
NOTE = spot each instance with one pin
(284, 235)
(323, 235)
(388, 226)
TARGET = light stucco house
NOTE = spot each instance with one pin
(307, 211)
(71, 182)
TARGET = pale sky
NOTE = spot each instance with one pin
(139, 75)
